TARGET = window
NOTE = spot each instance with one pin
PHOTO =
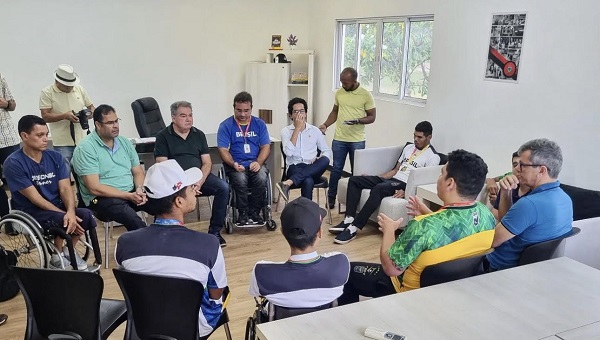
(392, 55)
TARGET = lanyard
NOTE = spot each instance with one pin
(247, 128)
(413, 156)
(459, 204)
(167, 221)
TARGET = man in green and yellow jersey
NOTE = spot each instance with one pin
(463, 227)
(353, 108)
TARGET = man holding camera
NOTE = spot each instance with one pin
(66, 107)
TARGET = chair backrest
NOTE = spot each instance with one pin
(160, 307)
(147, 116)
(453, 270)
(278, 312)
(546, 250)
(61, 302)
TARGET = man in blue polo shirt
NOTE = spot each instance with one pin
(306, 279)
(544, 214)
(244, 146)
(168, 248)
(109, 171)
(40, 185)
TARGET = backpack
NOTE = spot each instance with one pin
(9, 288)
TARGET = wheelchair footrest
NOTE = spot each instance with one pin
(252, 225)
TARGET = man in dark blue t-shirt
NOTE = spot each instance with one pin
(244, 146)
(40, 185)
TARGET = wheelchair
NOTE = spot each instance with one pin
(34, 246)
(232, 214)
(266, 312)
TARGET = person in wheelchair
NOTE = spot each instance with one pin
(244, 146)
(167, 247)
(40, 185)
(306, 279)
(301, 143)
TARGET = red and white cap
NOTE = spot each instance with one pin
(166, 178)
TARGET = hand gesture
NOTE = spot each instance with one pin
(254, 166)
(323, 128)
(71, 116)
(416, 207)
(238, 167)
(509, 182)
(299, 121)
(3, 103)
(71, 223)
(399, 193)
(387, 225)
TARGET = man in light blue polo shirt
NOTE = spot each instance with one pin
(109, 171)
(546, 213)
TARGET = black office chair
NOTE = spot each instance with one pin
(266, 311)
(162, 307)
(67, 303)
(148, 121)
(546, 250)
(453, 270)
(323, 183)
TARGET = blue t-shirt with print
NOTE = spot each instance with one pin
(234, 136)
(22, 172)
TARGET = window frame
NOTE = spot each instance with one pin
(379, 23)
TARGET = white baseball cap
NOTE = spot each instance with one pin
(166, 178)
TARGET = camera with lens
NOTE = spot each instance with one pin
(83, 118)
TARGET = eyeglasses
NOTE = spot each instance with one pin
(111, 122)
(521, 165)
(299, 111)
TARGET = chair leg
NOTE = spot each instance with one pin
(327, 205)
(277, 201)
(210, 202)
(197, 209)
(107, 237)
(227, 331)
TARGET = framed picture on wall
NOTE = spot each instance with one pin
(276, 42)
(505, 47)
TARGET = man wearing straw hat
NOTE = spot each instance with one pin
(59, 105)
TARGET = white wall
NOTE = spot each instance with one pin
(123, 50)
(555, 97)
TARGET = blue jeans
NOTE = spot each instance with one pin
(249, 188)
(214, 186)
(340, 151)
(66, 152)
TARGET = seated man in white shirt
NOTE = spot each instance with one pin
(392, 183)
(306, 279)
(301, 145)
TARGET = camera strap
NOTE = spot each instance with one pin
(72, 131)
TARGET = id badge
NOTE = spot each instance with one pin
(246, 148)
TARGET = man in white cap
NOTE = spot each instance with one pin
(168, 248)
(60, 104)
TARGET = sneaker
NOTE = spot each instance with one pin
(3, 318)
(243, 218)
(222, 241)
(256, 219)
(55, 262)
(345, 237)
(342, 226)
(331, 202)
(284, 189)
(81, 264)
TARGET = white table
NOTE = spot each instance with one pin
(529, 302)
(428, 193)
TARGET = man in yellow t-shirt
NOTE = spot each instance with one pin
(353, 108)
(59, 105)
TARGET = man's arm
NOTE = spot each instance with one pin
(504, 204)
(370, 118)
(226, 157)
(501, 235)
(92, 182)
(34, 197)
(261, 159)
(50, 117)
(388, 228)
(160, 159)
(332, 118)
(391, 173)
(8, 105)
(68, 197)
(206, 168)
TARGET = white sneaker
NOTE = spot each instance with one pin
(55, 262)
(81, 264)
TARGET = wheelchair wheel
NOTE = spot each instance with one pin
(26, 241)
(250, 329)
(271, 225)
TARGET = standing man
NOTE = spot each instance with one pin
(302, 143)
(306, 279)
(109, 171)
(353, 108)
(187, 145)
(392, 183)
(463, 227)
(168, 248)
(544, 214)
(59, 105)
(9, 140)
(244, 146)
(40, 185)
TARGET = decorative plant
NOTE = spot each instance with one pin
(292, 40)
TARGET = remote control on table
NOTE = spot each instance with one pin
(375, 333)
